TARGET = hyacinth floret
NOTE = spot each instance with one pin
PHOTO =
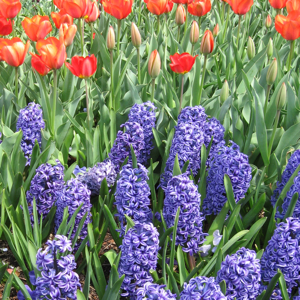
(31, 122)
(204, 288)
(241, 273)
(291, 166)
(144, 114)
(193, 115)
(45, 187)
(72, 196)
(133, 136)
(226, 160)
(283, 252)
(132, 196)
(139, 255)
(94, 176)
(182, 193)
(154, 291)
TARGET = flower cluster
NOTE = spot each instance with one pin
(72, 196)
(226, 160)
(183, 193)
(291, 166)
(31, 122)
(204, 288)
(144, 114)
(93, 177)
(132, 196)
(139, 255)
(241, 273)
(45, 187)
(192, 115)
(283, 252)
(154, 291)
(133, 136)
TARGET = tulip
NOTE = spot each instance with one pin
(37, 27)
(278, 4)
(216, 30)
(288, 27)
(156, 7)
(6, 26)
(183, 1)
(271, 76)
(93, 12)
(194, 34)
(119, 9)
(61, 18)
(292, 5)
(207, 43)
(240, 7)
(180, 15)
(154, 66)
(224, 92)
(199, 8)
(135, 36)
(111, 40)
(83, 67)
(39, 66)
(67, 33)
(78, 9)
(58, 3)
(169, 6)
(7, 42)
(268, 22)
(270, 49)
(10, 8)
(250, 48)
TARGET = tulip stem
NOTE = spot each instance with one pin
(140, 9)
(223, 11)
(81, 30)
(111, 79)
(199, 24)
(87, 106)
(192, 52)
(178, 35)
(238, 33)
(13, 28)
(54, 101)
(152, 89)
(186, 19)
(290, 57)
(16, 84)
(267, 99)
(273, 133)
(92, 33)
(202, 80)
(118, 38)
(226, 24)
(158, 21)
(139, 64)
(181, 93)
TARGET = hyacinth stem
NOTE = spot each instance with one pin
(152, 89)
(290, 57)
(54, 101)
(181, 93)
(158, 23)
(267, 99)
(92, 33)
(192, 261)
(238, 33)
(140, 9)
(81, 30)
(16, 83)
(111, 79)
(118, 38)
(273, 133)
(202, 81)
(186, 19)
(138, 64)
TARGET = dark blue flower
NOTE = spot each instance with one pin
(139, 255)
(132, 196)
(192, 115)
(155, 292)
(31, 123)
(182, 192)
(204, 288)
(226, 160)
(241, 273)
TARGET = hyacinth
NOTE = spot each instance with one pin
(182, 192)
(133, 135)
(283, 252)
(132, 196)
(204, 288)
(45, 187)
(194, 115)
(139, 255)
(226, 160)
(241, 273)
(72, 196)
(31, 123)
(154, 291)
(291, 166)
(144, 114)
(213, 128)
(94, 176)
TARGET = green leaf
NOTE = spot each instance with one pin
(112, 225)
(282, 285)
(291, 208)
(80, 295)
(181, 265)
(8, 285)
(176, 167)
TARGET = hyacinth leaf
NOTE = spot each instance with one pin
(78, 252)
(49, 220)
(3, 268)
(219, 261)
(27, 223)
(223, 286)
(16, 190)
(282, 285)
(113, 282)
(78, 231)
(176, 167)
(163, 237)
(260, 181)
(100, 283)
(194, 271)
(185, 166)
(268, 293)
(8, 285)
(152, 189)
(219, 220)
(129, 224)
(112, 225)
(80, 295)
(181, 265)
(6, 171)
(91, 235)
(111, 256)
(133, 157)
(202, 183)
(37, 235)
(173, 284)
(291, 208)
(233, 218)
(89, 270)
(158, 141)
(32, 250)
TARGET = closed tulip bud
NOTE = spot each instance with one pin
(216, 30)
(67, 32)
(270, 49)
(250, 48)
(224, 92)
(180, 15)
(268, 22)
(281, 97)
(272, 72)
(207, 43)
(154, 64)
(194, 35)
(135, 36)
(111, 39)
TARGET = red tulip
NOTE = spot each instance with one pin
(169, 7)
(292, 5)
(39, 66)
(93, 12)
(278, 4)
(67, 33)
(183, 1)
(61, 18)
(289, 27)
(13, 52)
(207, 43)
(157, 7)
(10, 8)
(76, 8)
(58, 3)
(182, 63)
(119, 9)
(37, 28)
(6, 26)
(83, 67)
(240, 7)
(94, 34)
(199, 8)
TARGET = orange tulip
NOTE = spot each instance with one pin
(292, 5)
(52, 52)
(278, 4)
(76, 8)
(37, 28)
(67, 33)
(289, 27)
(240, 7)
(183, 1)
(182, 63)
(5, 26)
(83, 67)
(10, 8)
(93, 12)
(199, 8)
(7, 42)
(157, 7)
(119, 9)
(169, 7)
(58, 3)
(13, 52)
(207, 43)
(61, 18)
(39, 66)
